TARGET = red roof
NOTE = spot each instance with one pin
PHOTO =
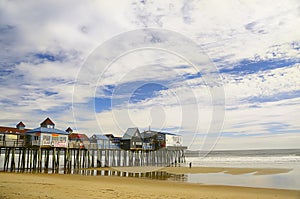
(5, 129)
(78, 136)
(47, 122)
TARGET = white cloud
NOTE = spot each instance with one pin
(232, 30)
(262, 84)
(287, 140)
(229, 31)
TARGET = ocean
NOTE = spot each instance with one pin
(271, 158)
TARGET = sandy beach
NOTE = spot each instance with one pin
(233, 171)
(28, 186)
(195, 170)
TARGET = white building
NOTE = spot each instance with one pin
(173, 140)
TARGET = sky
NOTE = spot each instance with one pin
(223, 74)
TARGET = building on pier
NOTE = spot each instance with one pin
(115, 141)
(154, 140)
(132, 140)
(173, 140)
(48, 136)
(79, 141)
(100, 141)
(13, 136)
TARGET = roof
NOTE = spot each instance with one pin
(100, 137)
(169, 133)
(148, 134)
(47, 130)
(109, 135)
(20, 124)
(131, 132)
(5, 129)
(78, 136)
(69, 129)
(47, 121)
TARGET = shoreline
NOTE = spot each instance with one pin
(226, 170)
(27, 185)
(245, 177)
(196, 170)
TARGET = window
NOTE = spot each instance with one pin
(62, 139)
(46, 139)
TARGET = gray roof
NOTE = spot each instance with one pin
(148, 134)
(99, 137)
(131, 133)
(47, 130)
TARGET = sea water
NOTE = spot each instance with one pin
(275, 158)
(271, 158)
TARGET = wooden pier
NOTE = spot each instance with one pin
(67, 160)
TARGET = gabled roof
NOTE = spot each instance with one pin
(78, 136)
(69, 130)
(99, 137)
(20, 124)
(47, 130)
(47, 121)
(131, 132)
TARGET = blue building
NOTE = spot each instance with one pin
(48, 136)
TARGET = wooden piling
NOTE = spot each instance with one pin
(36, 159)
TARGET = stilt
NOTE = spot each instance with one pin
(38, 159)
(53, 159)
(93, 158)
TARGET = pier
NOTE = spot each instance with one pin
(57, 160)
(50, 150)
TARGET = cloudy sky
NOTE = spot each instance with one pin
(101, 67)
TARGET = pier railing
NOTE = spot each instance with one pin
(12, 143)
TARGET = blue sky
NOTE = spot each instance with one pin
(254, 45)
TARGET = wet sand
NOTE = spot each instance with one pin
(31, 186)
(233, 171)
(195, 170)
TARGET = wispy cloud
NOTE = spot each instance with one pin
(255, 45)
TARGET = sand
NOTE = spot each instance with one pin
(31, 186)
(194, 170)
(233, 171)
